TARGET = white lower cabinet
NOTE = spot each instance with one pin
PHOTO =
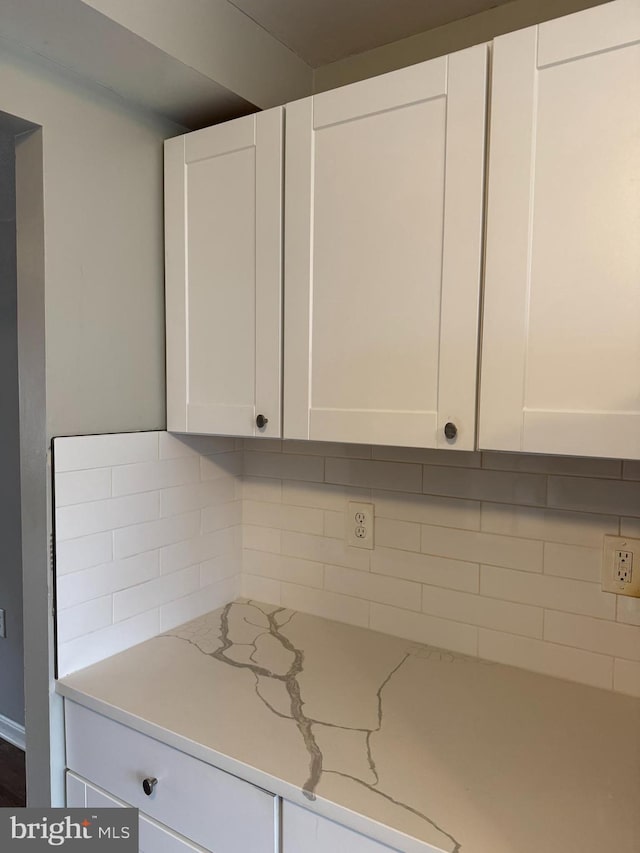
(306, 832)
(212, 808)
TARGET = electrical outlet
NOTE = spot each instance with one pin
(359, 525)
(621, 566)
(3, 627)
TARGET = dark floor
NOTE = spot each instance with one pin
(12, 778)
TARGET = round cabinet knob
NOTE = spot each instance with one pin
(261, 421)
(450, 431)
(148, 785)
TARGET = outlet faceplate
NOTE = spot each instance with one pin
(359, 525)
(621, 566)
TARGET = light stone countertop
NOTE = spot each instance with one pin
(419, 748)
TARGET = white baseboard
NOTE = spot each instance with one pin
(13, 732)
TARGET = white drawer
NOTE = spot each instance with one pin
(306, 832)
(213, 808)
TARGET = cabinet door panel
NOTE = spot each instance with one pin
(561, 351)
(223, 189)
(384, 183)
(305, 832)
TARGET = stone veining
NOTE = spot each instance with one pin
(270, 624)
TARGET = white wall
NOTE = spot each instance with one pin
(103, 250)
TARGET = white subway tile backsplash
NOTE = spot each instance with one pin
(97, 516)
(155, 534)
(546, 591)
(76, 487)
(396, 476)
(573, 561)
(424, 629)
(84, 552)
(595, 635)
(425, 568)
(497, 486)
(522, 554)
(103, 451)
(547, 658)
(158, 529)
(152, 476)
(484, 612)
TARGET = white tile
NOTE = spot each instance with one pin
(611, 497)
(370, 587)
(484, 612)
(290, 466)
(595, 635)
(573, 561)
(102, 451)
(223, 515)
(151, 476)
(198, 603)
(628, 610)
(220, 465)
(77, 554)
(424, 629)
(197, 549)
(334, 524)
(147, 596)
(424, 568)
(155, 534)
(576, 466)
(396, 476)
(631, 469)
(547, 658)
(391, 533)
(302, 519)
(174, 445)
(218, 568)
(98, 516)
(261, 538)
(626, 677)
(84, 651)
(329, 605)
(327, 448)
(472, 547)
(283, 568)
(496, 486)
(426, 456)
(261, 489)
(84, 618)
(323, 550)
(107, 578)
(183, 499)
(321, 495)
(76, 487)
(260, 589)
(630, 527)
(552, 525)
(262, 445)
(428, 509)
(547, 591)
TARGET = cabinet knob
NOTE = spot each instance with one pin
(148, 785)
(261, 421)
(450, 430)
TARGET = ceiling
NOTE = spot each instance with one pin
(323, 31)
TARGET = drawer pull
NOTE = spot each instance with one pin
(148, 785)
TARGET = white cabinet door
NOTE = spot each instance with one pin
(306, 832)
(383, 233)
(561, 334)
(223, 239)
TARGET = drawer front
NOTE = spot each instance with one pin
(306, 832)
(213, 808)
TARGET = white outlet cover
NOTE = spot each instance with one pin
(609, 580)
(359, 525)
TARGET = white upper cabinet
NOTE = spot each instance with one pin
(223, 229)
(383, 234)
(561, 335)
